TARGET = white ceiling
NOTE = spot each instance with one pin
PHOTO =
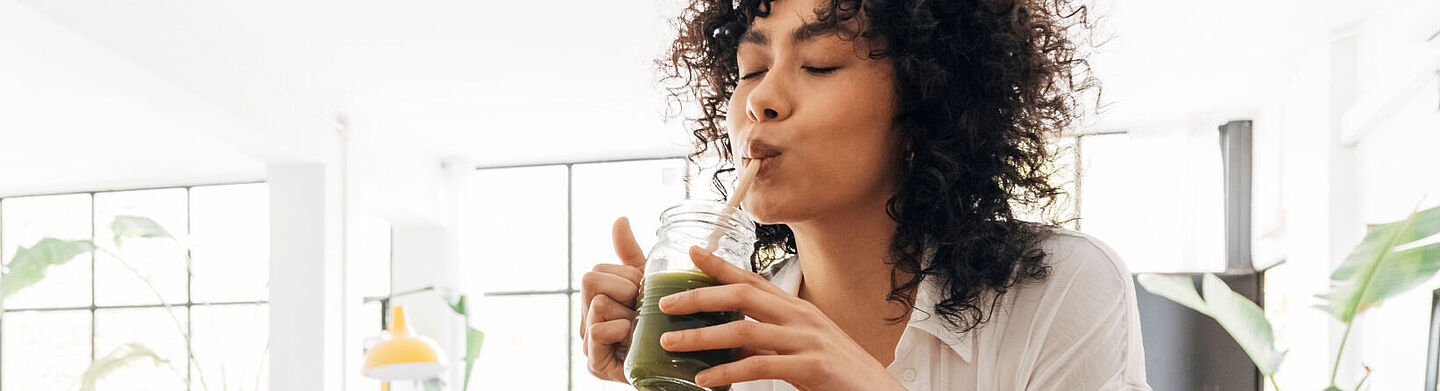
(62, 131)
(499, 82)
(49, 143)
(507, 82)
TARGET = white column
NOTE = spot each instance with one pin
(1345, 229)
(304, 279)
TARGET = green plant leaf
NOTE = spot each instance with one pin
(30, 264)
(474, 339)
(126, 227)
(460, 306)
(1242, 319)
(1176, 287)
(117, 359)
(1374, 271)
(1245, 322)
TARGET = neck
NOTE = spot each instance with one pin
(845, 274)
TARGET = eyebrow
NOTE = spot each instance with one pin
(801, 34)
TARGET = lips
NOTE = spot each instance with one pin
(766, 154)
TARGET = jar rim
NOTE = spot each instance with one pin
(724, 214)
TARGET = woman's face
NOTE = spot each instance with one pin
(819, 112)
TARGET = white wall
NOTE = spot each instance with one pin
(1352, 141)
(1397, 169)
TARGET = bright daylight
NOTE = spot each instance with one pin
(719, 195)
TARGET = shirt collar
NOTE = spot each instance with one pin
(786, 275)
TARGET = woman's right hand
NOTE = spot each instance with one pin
(607, 311)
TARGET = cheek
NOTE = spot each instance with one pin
(856, 142)
(858, 134)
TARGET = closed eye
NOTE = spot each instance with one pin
(820, 70)
(751, 75)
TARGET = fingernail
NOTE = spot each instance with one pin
(666, 302)
(668, 338)
(701, 379)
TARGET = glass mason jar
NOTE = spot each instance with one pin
(668, 270)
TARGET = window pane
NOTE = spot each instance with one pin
(230, 230)
(51, 362)
(515, 230)
(159, 261)
(153, 328)
(1062, 174)
(26, 220)
(604, 192)
(702, 178)
(524, 343)
(584, 381)
(229, 343)
(1156, 198)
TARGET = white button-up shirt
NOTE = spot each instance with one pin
(1076, 330)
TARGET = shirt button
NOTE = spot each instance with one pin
(908, 375)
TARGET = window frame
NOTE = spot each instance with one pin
(570, 284)
(189, 304)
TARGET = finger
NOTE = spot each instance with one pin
(619, 288)
(603, 308)
(744, 333)
(597, 283)
(746, 351)
(756, 368)
(625, 246)
(746, 299)
(628, 272)
(726, 273)
(609, 332)
(600, 348)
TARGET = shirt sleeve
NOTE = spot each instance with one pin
(1087, 331)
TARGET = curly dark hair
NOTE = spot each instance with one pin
(982, 86)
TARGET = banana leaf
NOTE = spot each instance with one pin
(1383, 265)
(31, 264)
(474, 338)
(117, 359)
(1242, 319)
(126, 227)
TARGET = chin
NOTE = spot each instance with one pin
(767, 209)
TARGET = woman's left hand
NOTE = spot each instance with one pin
(790, 340)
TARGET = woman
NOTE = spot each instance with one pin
(896, 140)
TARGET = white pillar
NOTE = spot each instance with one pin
(305, 240)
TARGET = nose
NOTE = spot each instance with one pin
(769, 101)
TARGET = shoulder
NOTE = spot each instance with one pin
(1083, 318)
(1078, 260)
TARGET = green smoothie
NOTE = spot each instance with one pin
(652, 368)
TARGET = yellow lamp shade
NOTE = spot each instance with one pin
(404, 356)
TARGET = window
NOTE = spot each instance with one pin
(532, 232)
(1154, 196)
(528, 249)
(95, 304)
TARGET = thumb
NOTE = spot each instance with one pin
(625, 246)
